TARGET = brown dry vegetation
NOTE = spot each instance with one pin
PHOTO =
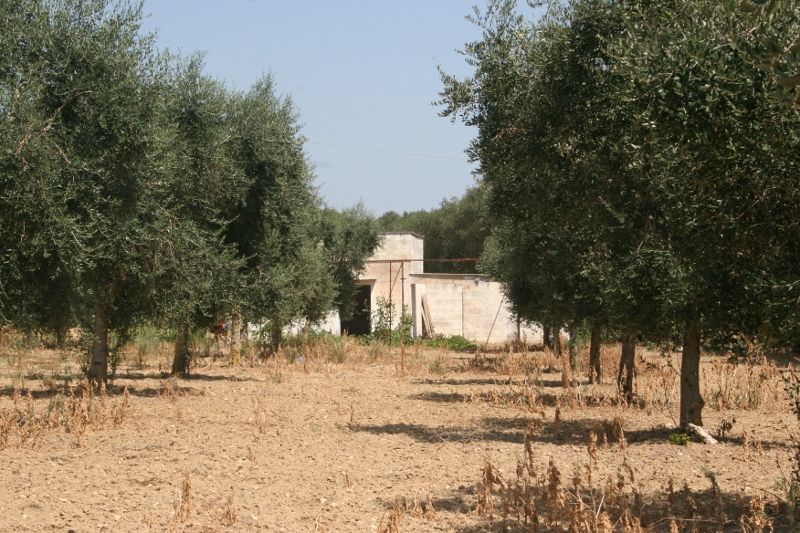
(334, 436)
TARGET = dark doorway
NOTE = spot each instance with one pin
(361, 322)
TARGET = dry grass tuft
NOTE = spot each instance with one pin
(75, 411)
(392, 524)
(260, 415)
(170, 390)
(120, 410)
(413, 507)
(544, 500)
(229, 516)
(184, 504)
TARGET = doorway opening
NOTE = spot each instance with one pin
(361, 321)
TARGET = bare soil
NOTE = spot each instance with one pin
(333, 447)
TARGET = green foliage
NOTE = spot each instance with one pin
(349, 237)
(285, 274)
(456, 229)
(681, 439)
(387, 327)
(456, 343)
(135, 189)
(197, 278)
(147, 339)
(640, 166)
(85, 166)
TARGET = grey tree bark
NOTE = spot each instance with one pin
(182, 357)
(236, 340)
(595, 375)
(627, 367)
(98, 364)
(573, 347)
(691, 400)
(276, 336)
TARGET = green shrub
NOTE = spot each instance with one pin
(681, 439)
(456, 343)
(147, 340)
(383, 330)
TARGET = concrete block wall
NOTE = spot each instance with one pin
(469, 305)
(329, 324)
(472, 306)
(389, 269)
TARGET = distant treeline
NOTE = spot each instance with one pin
(456, 229)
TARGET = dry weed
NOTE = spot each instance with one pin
(392, 524)
(229, 516)
(544, 501)
(260, 415)
(120, 410)
(752, 385)
(183, 506)
(75, 412)
(756, 520)
(170, 390)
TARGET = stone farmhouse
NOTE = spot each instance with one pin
(470, 305)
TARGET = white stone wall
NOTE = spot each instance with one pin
(472, 306)
(389, 269)
(329, 324)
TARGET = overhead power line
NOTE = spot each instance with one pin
(382, 151)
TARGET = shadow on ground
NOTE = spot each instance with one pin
(438, 435)
(512, 430)
(521, 397)
(113, 390)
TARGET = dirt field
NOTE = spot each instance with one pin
(367, 443)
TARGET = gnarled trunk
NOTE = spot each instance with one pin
(98, 364)
(691, 401)
(566, 370)
(546, 337)
(595, 375)
(627, 367)
(573, 347)
(557, 341)
(276, 336)
(182, 357)
(236, 342)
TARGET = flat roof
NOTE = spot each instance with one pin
(413, 234)
(448, 275)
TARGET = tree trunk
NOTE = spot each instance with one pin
(182, 358)
(61, 336)
(595, 375)
(566, 370)
(557, 341)
(573, 347)
(276, 336)
(691, 401)
(236, 341)
(98, 365)
(627, 367)
(546, 337)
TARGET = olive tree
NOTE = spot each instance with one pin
(720, 152)
(274, 221)
(86, 85)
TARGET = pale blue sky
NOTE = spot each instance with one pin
(362, 73)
